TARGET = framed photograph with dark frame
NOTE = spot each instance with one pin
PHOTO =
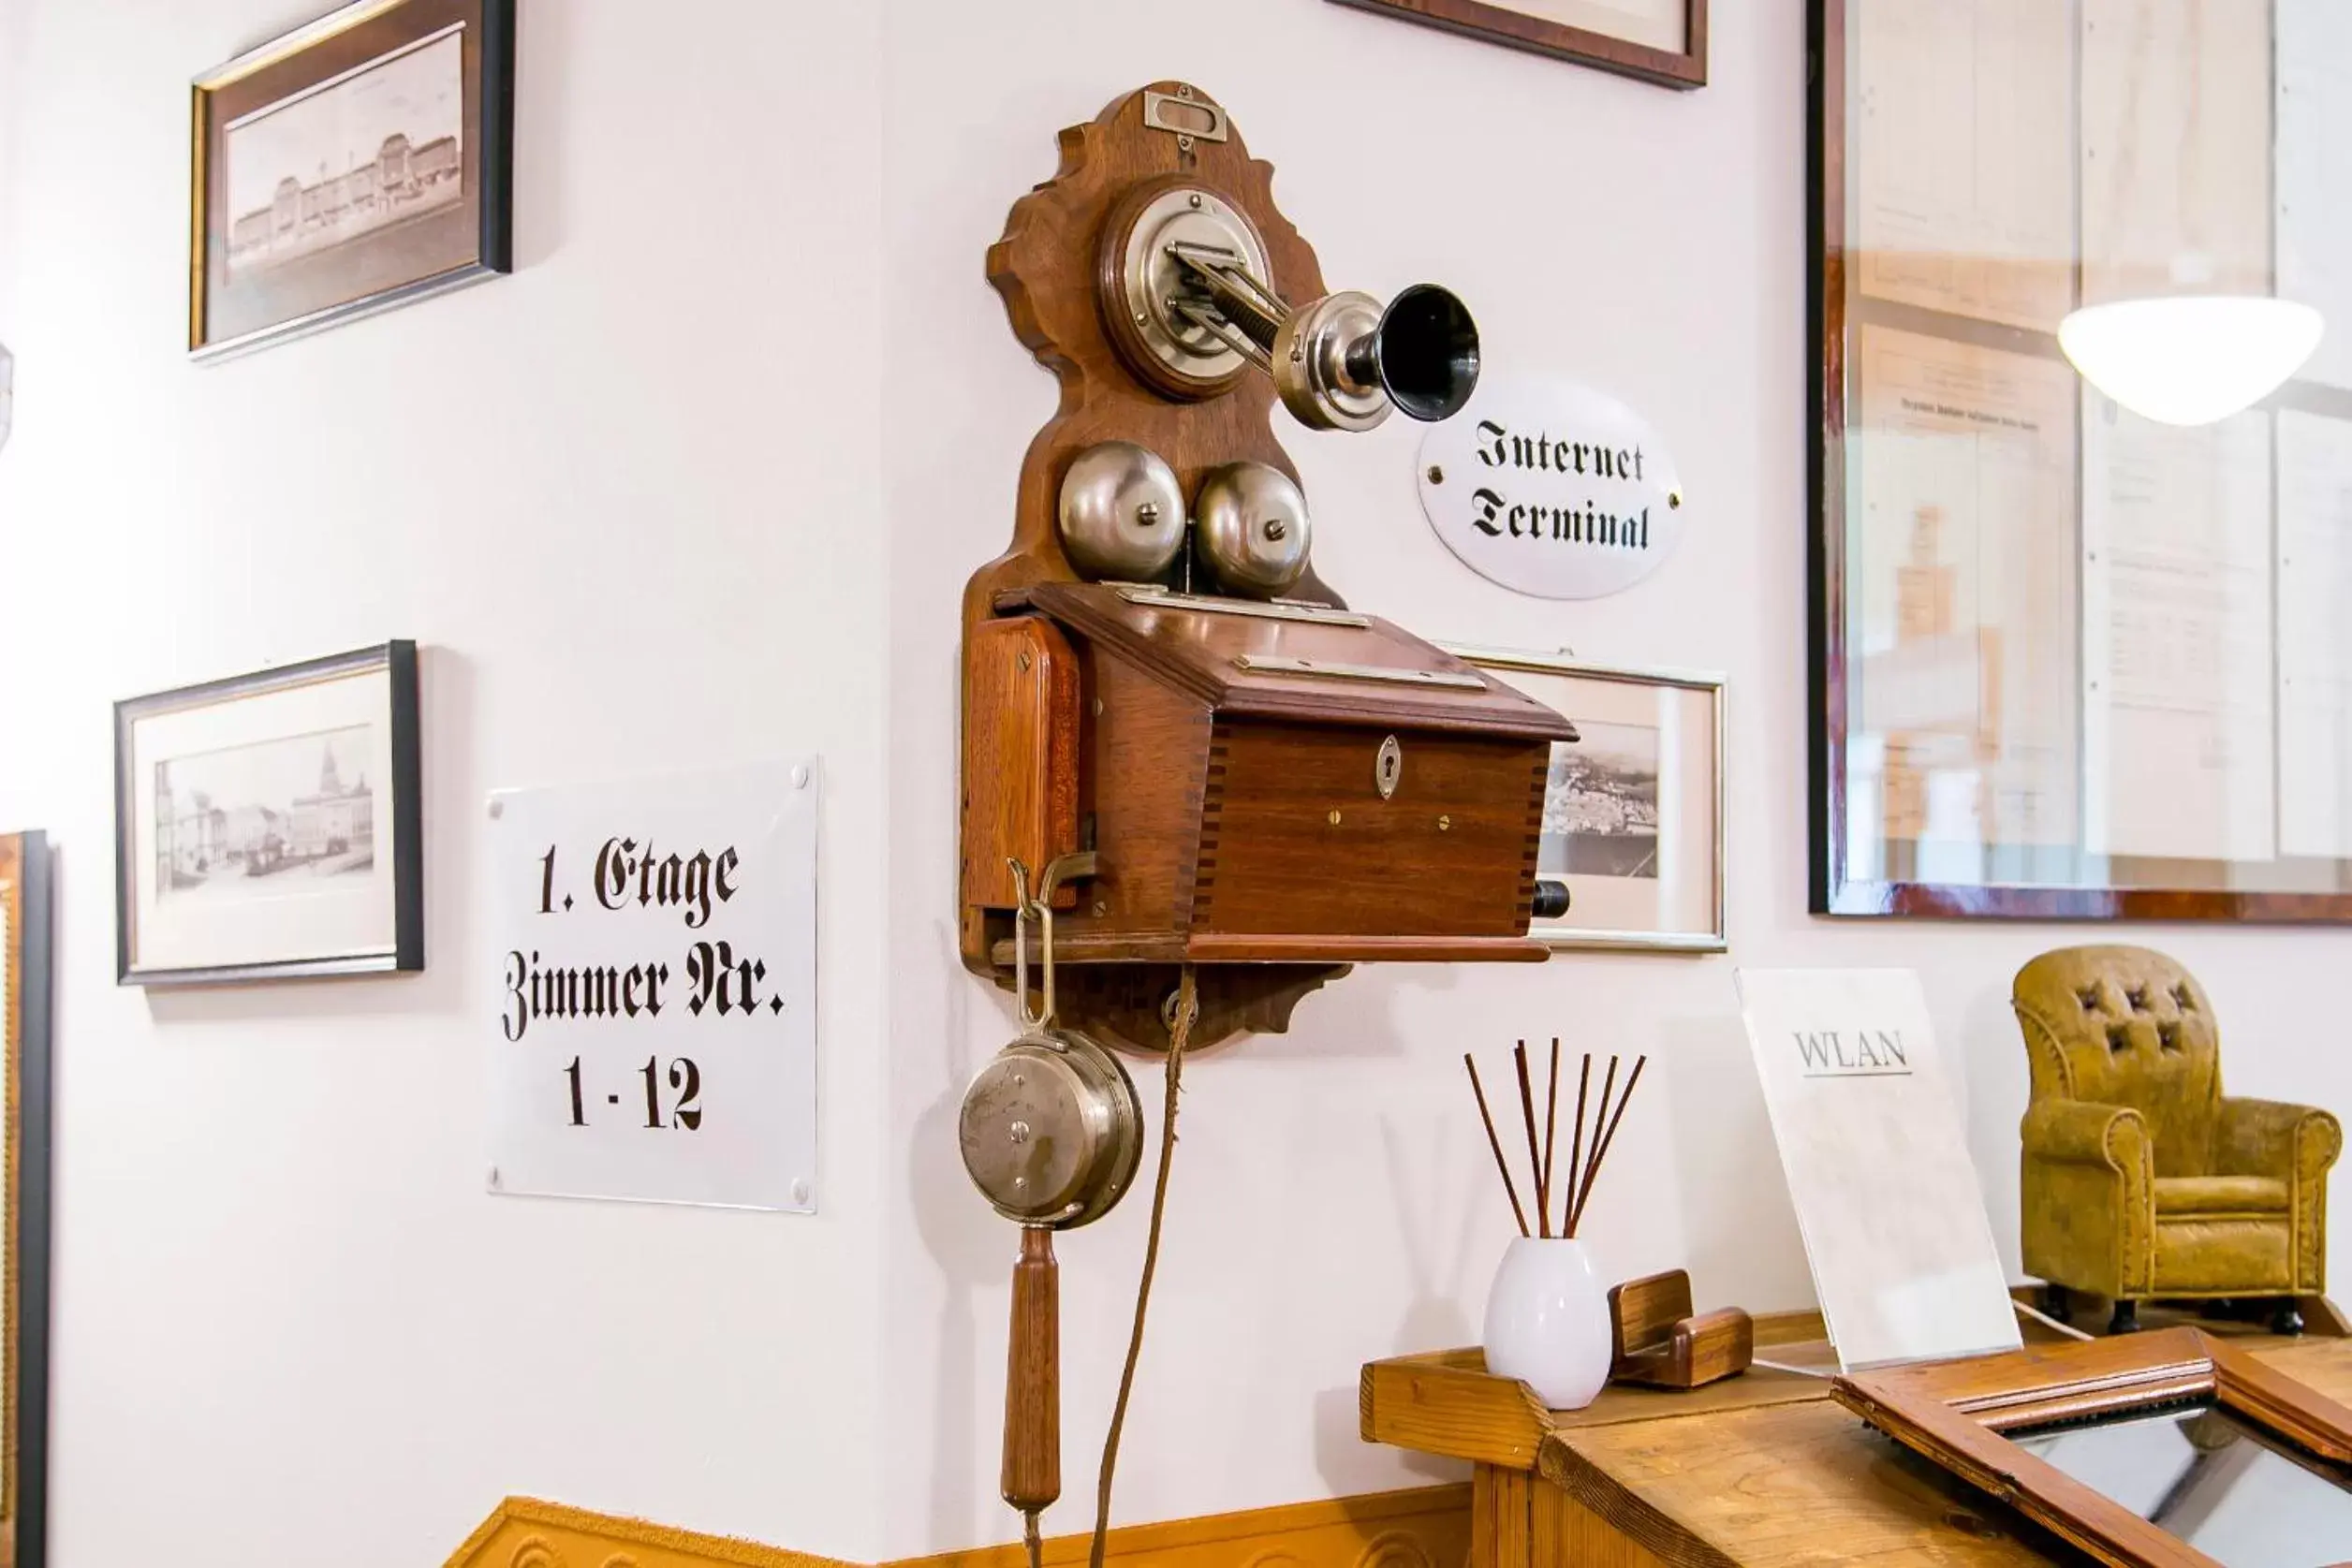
(2077, 641)
(1661, 42)
(26, 969)
(269, 827)
(356, 164)
(1633, 812)
(2171, 1449)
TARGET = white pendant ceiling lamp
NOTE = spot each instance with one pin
(2193, 359)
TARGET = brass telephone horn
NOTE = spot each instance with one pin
(1183, 281)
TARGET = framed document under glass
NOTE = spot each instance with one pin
(2068, 661)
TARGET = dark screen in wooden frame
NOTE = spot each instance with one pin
(1956, 1414)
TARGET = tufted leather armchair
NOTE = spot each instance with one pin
(2141, 1178)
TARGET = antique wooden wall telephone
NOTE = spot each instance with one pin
(1192, 777)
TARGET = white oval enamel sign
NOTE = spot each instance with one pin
(1552, 489)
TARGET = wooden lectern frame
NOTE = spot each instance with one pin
(1957, 1413)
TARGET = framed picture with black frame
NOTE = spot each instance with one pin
(268, 825)
(25, 972)
(357, 162)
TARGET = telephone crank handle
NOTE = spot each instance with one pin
(1031, 1479)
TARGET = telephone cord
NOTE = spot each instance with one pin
(1187, 1009)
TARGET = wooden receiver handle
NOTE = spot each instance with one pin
(1032, 1476)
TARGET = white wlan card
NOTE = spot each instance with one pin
(1870, 1138)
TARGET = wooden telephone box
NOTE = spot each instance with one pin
(1273, 787)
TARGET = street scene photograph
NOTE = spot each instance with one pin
(265, 819)
(1600, 816)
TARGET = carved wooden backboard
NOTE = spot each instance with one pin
(1046, 267)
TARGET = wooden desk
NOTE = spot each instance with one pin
(1761, 1470)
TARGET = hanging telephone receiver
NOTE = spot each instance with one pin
(1053, 1132)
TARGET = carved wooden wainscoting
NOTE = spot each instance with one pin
(1428, 1527)
(525, 1533)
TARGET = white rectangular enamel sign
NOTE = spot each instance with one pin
(653, 1018)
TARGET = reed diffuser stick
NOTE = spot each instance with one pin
(1576, 1148)
(1592, 1149)
(1535, 1160)
(1551, 1122)
(1495, 1143)
(1584, 1196)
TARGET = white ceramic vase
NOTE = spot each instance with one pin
(1546, 1322)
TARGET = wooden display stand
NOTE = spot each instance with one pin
(1759, 1471)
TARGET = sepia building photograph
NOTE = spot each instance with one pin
(237, 822)
(348, 160)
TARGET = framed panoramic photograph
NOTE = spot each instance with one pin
(25, 1032)
(357, 162)
(268, 826)
(1633, 809)
(1664, 41)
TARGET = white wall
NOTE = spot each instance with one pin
(697, 495)
(1334, 1199)
(625, 500)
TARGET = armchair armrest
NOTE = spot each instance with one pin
(2294, 1144)
(2083, 1133)
(2088, 1207)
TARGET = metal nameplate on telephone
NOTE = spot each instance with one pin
(1182, 113)
(1260, 665)
(1322, 615)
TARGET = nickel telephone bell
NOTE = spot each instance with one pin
(1120, 512)
(1253, 527)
